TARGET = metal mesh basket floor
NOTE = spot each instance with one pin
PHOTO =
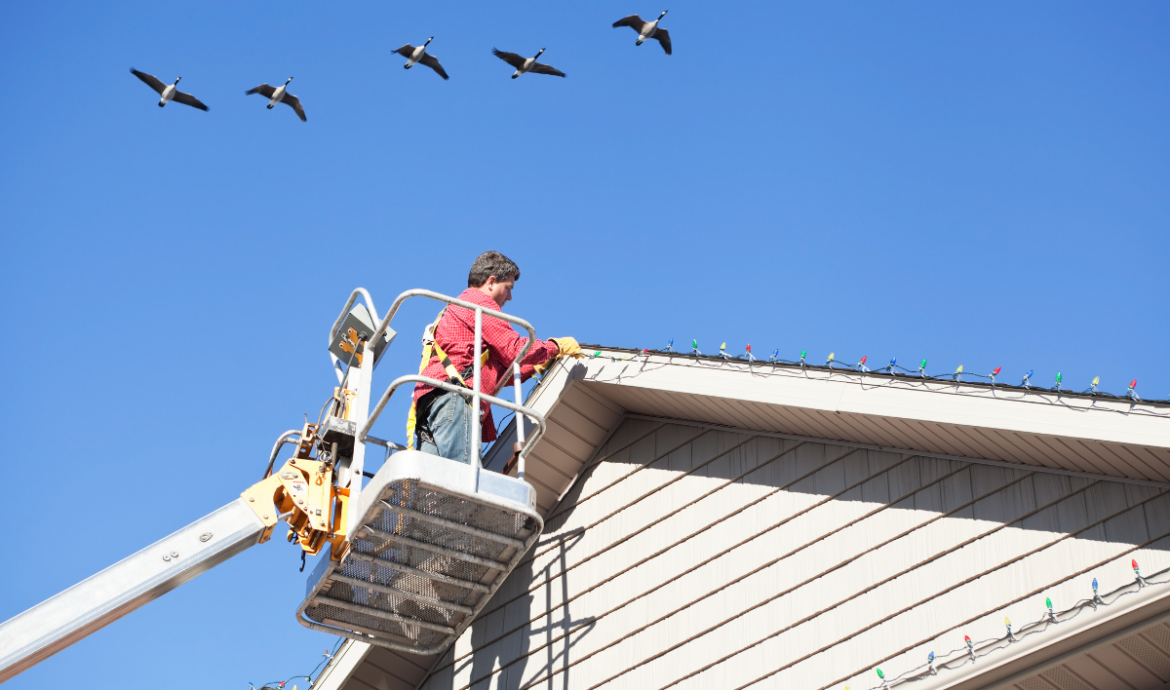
(437, 538)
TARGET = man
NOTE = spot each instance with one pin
(442, 418)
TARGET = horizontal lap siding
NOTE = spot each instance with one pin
(691, 557)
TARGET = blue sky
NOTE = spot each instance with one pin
(984, 185)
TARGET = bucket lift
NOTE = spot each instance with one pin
(410, 559)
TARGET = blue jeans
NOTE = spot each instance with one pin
(449, 421)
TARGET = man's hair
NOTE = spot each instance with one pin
(492, 264)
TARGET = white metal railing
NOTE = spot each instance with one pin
(477, 396)
(520, 409)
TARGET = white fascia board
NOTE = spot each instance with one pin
(1036, 653)
(1032, 412)
(342, 665)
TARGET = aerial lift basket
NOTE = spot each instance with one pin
(431, 539)
(435, 541)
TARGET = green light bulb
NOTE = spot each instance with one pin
(803, 353)
(695, 344)
(1048, 602)
(923, 365)
(1058, 377)
(880, 674)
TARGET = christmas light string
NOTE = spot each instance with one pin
(892, 370)
(971, 651)
(279, 684)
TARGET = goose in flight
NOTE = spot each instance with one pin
(415, 55)
(647, 30)
(523, 65)
(168, 92)
(280, 95)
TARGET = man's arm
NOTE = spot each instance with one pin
(505, 343)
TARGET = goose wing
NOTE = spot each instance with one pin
(149, 79)
(664, 38)
(406, 50)
(511, 58)
(433, 62)
(633, 21)
(540, 68)
(188, 99)
(295, 103)
(264, 90)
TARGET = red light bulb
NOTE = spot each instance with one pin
(967, 639)
(749, 347)
(864, 358)
(1133, 383)
(996, 372)
(1133, 563)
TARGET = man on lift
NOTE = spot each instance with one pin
(440, 421)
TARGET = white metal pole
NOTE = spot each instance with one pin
(361, 412)
(475, 409)
(519, 418)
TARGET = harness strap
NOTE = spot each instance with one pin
(430, 350)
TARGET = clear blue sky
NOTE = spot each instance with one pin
(982, 184)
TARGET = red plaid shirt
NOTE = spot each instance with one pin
(456, 335)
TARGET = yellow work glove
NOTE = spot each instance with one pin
(568, 347)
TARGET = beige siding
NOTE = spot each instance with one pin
(687, 556)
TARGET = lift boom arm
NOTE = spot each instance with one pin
(56, 623)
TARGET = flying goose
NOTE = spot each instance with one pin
(280, 95)
(168, 92)
(415, 55)
(647, 30)
(523, 65)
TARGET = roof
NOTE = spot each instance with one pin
(585, 400)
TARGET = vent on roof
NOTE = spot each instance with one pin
(437, 538)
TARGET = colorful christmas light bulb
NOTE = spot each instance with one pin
(1094, 586)
(967, 639)
(830, 359)
(880, 674)
(997, 370)
(1048, 603)
(775, 354)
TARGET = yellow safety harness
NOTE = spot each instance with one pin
(431, 349)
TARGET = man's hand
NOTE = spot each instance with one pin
(568, 347)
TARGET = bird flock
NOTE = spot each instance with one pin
(414, 55)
